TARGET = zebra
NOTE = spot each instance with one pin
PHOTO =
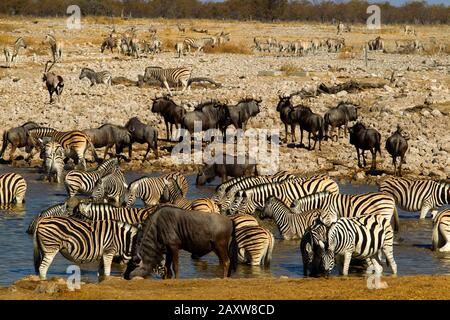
(205, 205)
(98, 212)
(82, 242)
(149, 189)
(85, 181)
(154, 46)
(199, 44)
(113, 187)
(56, 47)
(246, 201)
(350, 205)
(310, 248)
(57, 210)
(171, 75)
(74, 142)
(293, 226)
(361, 238)
(101, 77)
(110, 42)
(12, 52)
(53, 156)
(12, 188)
(441, 231)
(179, 48)
(254, 245)
(243, 221)
(414, 195)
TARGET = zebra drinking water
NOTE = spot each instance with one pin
(54, 156)
(101, 77)
(12, 52)
(12, 188)
(111, 187)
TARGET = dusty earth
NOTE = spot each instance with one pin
(395, 288)
(418, 98)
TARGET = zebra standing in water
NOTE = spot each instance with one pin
(101, 77)
(85, 181)
(74, 142)
(255, 245)
(56, 47)
(441, 231)
(97, 212)
(57, 210)
(293, 226)
(166, 76)
(82, 242)
(415, 195)
(361, 238)
(199, 44)
(349, 205)
(149, 189)
(111, 187)
(54, 155)
(12, 188)
(12, 52)
(311, 250)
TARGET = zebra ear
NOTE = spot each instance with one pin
(308, 248)
(321, 244)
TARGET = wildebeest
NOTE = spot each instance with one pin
(142, 133)
(211, 115)
(365, 139)
(340, 116)
(242, 112)
(170, 229)
(170, 111)
(18, 138)
(54, 82)
(109, 135)
(228, 168)
(285, 107)
(397, 145)
(309, 121)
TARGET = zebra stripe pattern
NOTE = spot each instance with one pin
(255, 245)
(12, 52)
(293, 226)
(441, 231)
(98, 212)
(415, 195)
(81, 242)
(85, 181)
(198, 44)
(12, 188)
(111, 187)
(166, 76)
(150, 189)
(243, 221)
(311, 250)
(348, 206)
(57, 210)
(101, 77)
(54, 156)
(75, 141)
(361, 238)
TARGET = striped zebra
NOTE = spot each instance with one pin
(85, 181)
(350, 205)
(12, 52)
(199, 44)
(173, 194)
(171, 75)
(56, 47)
(243, 221)
(111, 187)
(82, 242)
(415, 195)
(441, 231)
(149, 189)
(255, 245)
(111, 43)
(293, 226)
(57, 210)
(98, 212)
(74, 142)
(12, 188)
(179, 49)
(53, 156)
(247, 201)
(101, 77)
(311, 250)
(361, 238)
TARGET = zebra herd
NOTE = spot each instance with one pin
(334, 228)
(300, 47)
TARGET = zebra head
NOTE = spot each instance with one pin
(85, 73)
(166, 194)
(235, 206)
(98, 193)
(84, 210)
(20, 43)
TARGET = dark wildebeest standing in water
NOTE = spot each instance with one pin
(309, 121)
(284, 107)
(170, 229)
(229, 167)
(142, 133)
(365, 139)
(109, 135)
(18, 138)
(339, 116)
(397, 145)
(170, 111)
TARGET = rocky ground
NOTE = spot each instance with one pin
(418, 98)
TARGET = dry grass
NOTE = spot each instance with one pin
(289, 69)
(349, 53)
(234, 48)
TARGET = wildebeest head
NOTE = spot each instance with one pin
(284, 102)
(353, 131)
(205, 175)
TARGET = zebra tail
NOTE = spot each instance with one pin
(396, 220)
(268, 255)
(37, 251)
(435, 237)
(233, 251)
(4, 144)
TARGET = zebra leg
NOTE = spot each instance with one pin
(107, 261)
(167, 87)
(45, 263)
(388, 252)
(424, 210)
(346, 265)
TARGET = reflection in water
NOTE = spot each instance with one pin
(411, 248)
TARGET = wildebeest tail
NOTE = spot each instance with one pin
(326, 121)
(4, 144)
(233, 250)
